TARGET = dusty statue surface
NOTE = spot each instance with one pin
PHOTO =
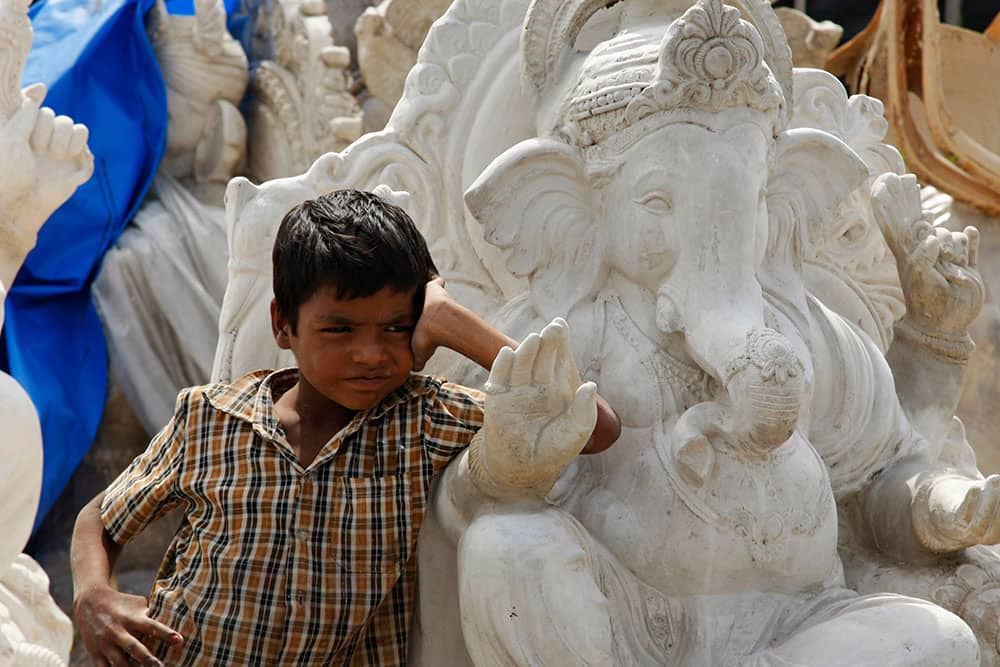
(44, 158)
(748, 276)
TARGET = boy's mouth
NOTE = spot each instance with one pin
(367, 381)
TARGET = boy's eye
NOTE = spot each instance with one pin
(400, 328)
(336, 329)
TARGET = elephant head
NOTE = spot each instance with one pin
(657, 172)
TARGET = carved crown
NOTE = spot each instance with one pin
(708, 60)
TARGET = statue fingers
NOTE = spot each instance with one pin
(973, 235)
(22, 123)
(524, 360)
(44, 126)
(36, 93)
(984, 526)
(84, 166)
(927, 252)
(583, 410)
(960, 248)
(499, 379)
(545, 363)
(78, 140)
(62, 135)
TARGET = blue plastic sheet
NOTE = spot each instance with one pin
(97, 62)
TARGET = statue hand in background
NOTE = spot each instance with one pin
(539, 416)
(953, 512)
(43, 158)
(937, 268)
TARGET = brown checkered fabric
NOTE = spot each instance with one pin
(279, 565)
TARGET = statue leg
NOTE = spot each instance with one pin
(528, 585)
(885, 630)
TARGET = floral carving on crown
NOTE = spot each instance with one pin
(710, 60)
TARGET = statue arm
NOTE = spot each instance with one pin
(944, 294)
(537, 417)
(929, 374)
(916, 496)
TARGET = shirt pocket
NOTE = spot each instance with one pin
(376, 524)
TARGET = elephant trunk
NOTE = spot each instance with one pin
(719, 306)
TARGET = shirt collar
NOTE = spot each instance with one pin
(251, 397)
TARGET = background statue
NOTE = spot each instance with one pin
(44, 158)
(176, 244)
(728, 270)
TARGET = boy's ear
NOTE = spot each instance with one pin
(280, 327)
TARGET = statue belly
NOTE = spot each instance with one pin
(768, 525)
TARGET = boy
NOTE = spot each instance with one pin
(304, 489)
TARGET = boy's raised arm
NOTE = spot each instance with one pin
(446, 323)
(110, 623)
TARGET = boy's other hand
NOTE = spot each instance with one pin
(539, 414)
(112, 624)
(426, 337)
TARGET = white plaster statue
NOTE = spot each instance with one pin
(176, 244)
(811, 41)
(43, 158)
(977, 407)
(301, 104)
(388, 37)
(734, 259)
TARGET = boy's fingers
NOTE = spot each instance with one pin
(115, 657)
(524, 360)
(500, 372)
(149, 626)
(135, 650)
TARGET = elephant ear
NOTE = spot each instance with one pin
(813, 176)
(537, 206)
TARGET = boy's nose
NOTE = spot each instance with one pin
(368, 353)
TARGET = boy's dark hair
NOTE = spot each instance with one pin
(355, 242)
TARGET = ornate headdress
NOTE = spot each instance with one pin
(710, 59)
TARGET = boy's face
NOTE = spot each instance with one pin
(354, 352)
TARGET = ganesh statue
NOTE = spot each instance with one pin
(748, 276)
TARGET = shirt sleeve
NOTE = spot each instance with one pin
(146, 489)
(453, 417)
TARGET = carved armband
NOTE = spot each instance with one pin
(947, 347)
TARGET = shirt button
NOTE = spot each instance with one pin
(303, 535)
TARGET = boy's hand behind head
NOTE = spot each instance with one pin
(427, 335)
(111, 625)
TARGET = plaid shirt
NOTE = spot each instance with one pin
(276, 564)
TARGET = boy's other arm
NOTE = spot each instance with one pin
(110, 623)
(446, 323)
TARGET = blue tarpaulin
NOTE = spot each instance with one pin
(100, 69)
(96, 60)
